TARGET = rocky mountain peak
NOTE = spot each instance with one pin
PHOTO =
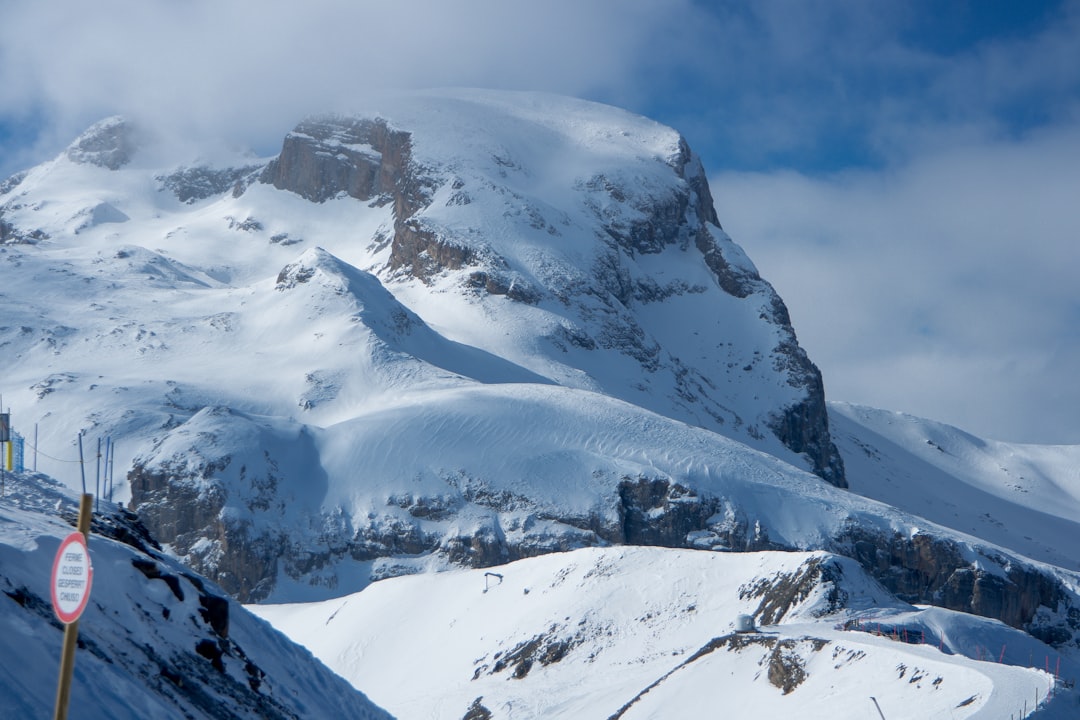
(327, 156)
(451, 250)
(590, 220)
(110, 144)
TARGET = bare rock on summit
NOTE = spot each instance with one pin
(361, 158)
(110, 144)
(366, 159)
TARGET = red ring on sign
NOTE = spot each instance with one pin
(75, 538)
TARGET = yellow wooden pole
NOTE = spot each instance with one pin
(71, 631)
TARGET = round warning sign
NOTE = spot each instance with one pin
(71, 578)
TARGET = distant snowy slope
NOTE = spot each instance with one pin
(485, 474)
(156, 640)
(648, 633)
(1022, 497)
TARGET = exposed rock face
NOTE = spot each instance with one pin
(190, 184)
(325, 157)
(110, 144)
(12, 182)
(367, 160)
(931, 570)
(782, 593)
(201, 533)
(803, 427)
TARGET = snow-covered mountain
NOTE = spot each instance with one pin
(457, 328)
(411, 256)
(156, 640)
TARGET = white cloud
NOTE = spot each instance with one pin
(947, 288)
(250, 70)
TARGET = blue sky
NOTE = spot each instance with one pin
(905, 173)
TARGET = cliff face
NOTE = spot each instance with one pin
(365, 159)
(357, 157)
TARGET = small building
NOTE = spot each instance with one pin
(745, 624)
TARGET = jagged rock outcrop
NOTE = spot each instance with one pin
(326, 157)
(937, 571)
(367, 160)
(191, 184)
(110, 144)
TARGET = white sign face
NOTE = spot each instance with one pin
(71, 578)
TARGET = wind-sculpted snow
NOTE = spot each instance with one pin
(479, 474)
(155, 641)
(482, 475)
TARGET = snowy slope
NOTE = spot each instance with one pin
(481, 474)
(512, 471)
(647, 633)
(156, 640)
(1022, 497)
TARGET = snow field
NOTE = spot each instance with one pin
(582, 634)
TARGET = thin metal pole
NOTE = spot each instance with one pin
(71, 631)
(105, 477)
(110, 465)
(97, 478)
(112, 470)
(35, 447)
(82, 465)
